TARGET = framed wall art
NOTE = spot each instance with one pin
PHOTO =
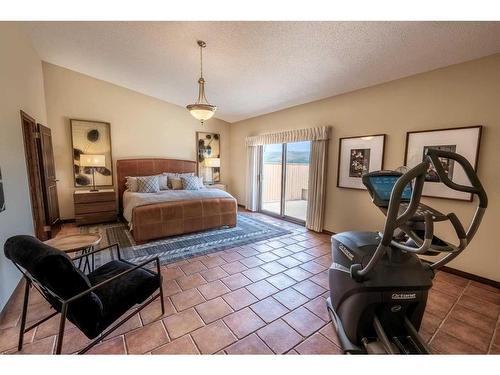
(357, 156)
(208, 156)
(464, 141)
(91, 139)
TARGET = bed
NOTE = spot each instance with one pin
(171, 212)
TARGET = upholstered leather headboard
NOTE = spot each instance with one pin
(147, 167)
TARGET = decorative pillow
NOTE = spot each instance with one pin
(191, 183)
(170, 176)
(148, 184)
(176, 183)
(131, 184)
(163, 182)
(202, 185)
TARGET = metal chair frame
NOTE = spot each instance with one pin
(45, 292)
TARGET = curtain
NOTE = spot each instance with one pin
(317, 185)
(288, 136)
(254, 154)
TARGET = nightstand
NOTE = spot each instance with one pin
(217, 186)
(93, 207)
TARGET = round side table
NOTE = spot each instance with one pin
(71, 243)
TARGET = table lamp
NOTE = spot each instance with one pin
(92, 161)
(212, 163)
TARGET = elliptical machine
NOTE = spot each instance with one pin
(378, 284)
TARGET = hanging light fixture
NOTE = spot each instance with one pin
(201, 110)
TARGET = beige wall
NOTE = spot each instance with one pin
(141, 126)
(459, 95)
(21, 87)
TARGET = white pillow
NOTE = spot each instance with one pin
(202, 186)
(163, 179)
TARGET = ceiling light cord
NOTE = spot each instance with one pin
(201, 61)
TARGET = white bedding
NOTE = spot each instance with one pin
(132, 200)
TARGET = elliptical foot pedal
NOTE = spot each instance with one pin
(406, 345)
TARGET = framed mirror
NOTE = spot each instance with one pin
(208, 157)
(91, 140)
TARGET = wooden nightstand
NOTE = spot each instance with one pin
(93, 207)
(217, 186)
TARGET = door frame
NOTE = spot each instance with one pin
(34, 175)
(281, 215)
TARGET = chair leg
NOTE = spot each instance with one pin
(161, 299)
(62, 323)
(161, 286)
(24, 313)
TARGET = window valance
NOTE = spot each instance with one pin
(287, 136)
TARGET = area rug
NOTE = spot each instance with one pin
(248, 230)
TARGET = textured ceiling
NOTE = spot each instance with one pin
(252, 68)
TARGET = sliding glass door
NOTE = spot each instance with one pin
(285, 175)
(272, 170)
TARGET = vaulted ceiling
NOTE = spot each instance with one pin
(252, 68)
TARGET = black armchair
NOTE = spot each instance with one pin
(92, 302)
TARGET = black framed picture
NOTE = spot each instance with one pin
(464, 141)
(357, 156)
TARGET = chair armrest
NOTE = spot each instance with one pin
(99, 250)
(140, 265)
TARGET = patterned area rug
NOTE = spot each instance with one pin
(248, 230)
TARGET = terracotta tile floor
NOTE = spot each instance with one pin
(263, 298)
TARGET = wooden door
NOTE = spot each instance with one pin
(34, 176)
(48, 172)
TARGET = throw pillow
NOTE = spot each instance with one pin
(174, 175)
(131, 184)
(163, 180)
(148, 184)
(191, 183)
(176, 183)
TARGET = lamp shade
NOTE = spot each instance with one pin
(212, 162)
(92, 160)
(202, 112)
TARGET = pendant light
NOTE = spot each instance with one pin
(201, 110)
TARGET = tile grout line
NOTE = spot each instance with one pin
(448, 314)
(490, 347)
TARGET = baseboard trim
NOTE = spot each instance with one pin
(470, 276)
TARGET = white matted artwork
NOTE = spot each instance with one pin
(464, 141)
(357, 156)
